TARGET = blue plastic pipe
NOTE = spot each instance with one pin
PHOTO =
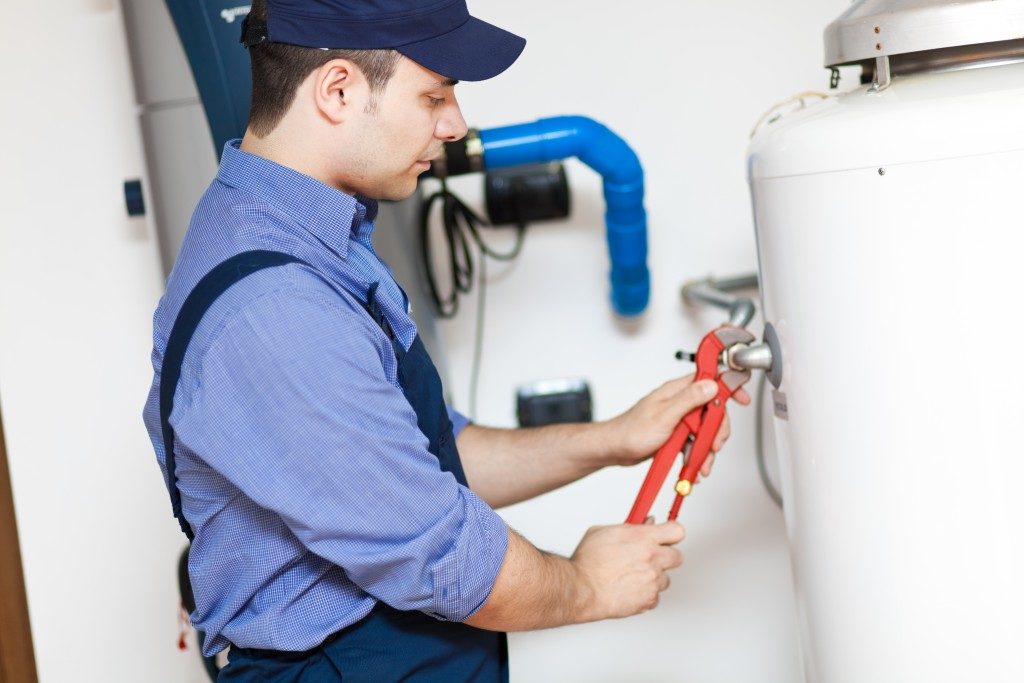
(599, 148)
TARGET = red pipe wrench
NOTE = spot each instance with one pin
(696, 432)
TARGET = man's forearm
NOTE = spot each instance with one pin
(616, 571)
(505, 466)
(534, 590)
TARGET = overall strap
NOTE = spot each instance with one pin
(199, 300)
(373, 308)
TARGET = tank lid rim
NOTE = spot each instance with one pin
(881, 28)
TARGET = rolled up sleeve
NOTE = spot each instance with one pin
(459, 421)
(295, 409)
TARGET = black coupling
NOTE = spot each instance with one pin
(459, 157)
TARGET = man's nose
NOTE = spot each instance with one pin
(451, 126)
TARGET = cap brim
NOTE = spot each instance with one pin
(474, 51)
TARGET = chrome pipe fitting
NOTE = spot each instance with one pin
(749, 357)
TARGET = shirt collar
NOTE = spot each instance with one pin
(332, 216)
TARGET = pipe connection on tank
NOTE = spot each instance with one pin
(749, 357)
(714, 292)
(765, 355)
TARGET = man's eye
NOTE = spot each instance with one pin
(436, 101)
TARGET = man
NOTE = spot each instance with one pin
(342, 517)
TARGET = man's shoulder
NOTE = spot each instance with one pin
(293, 295)
(228, 219)
(226, 222)
(277, 313)
(300, 288)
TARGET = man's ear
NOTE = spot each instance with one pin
(340, 90)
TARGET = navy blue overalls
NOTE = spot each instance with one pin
(388, 644)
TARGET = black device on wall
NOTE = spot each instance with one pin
(553, 402)
(526, 194)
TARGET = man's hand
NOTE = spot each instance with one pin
(642, 429)
(505, 466)
(625, 567)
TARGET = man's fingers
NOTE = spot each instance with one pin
(696, 394)
(668, 557)
(722, 436)
(668, 533)
(708, 464)
(742, 397)
(674, 386)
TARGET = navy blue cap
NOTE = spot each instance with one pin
(441, 36)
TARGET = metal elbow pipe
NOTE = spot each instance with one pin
(741, 312)
(560, 137)
(715, 292)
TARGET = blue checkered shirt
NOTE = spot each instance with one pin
(302, 472)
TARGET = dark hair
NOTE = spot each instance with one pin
(278, 69)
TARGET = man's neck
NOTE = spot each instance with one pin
(270, 147)
(290, 154)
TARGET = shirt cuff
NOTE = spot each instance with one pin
(465, 578)
(459, 421)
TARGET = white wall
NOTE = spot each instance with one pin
(684, 83)
(78, 281)
(78, 284)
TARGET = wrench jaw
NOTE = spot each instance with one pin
(734, 379)
(730, 336)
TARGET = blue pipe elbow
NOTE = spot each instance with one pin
(560, 137)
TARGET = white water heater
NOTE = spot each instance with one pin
(890, 227)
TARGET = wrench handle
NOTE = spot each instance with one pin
(701, 449)
(702, 445)
(660, 466)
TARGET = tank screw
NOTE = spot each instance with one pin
(878, 29)
(878, 46)
(881, 171)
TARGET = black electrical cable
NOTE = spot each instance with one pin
(460, 231)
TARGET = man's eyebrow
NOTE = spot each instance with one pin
(445, 83)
